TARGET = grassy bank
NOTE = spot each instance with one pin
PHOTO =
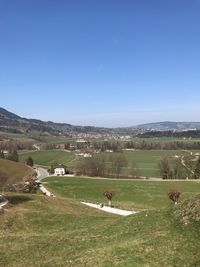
(40, 231)
(14, 171)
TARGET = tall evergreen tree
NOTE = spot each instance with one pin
(29, 161)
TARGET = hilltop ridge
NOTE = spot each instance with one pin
(10, 122)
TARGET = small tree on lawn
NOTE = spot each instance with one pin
(109, 195)
(174, 195)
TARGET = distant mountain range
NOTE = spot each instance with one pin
(10, 122)
(168, 125)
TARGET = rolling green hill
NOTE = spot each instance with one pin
(12, 123)
(47, 157)
(61, 232)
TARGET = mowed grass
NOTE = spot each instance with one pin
(147, 161)
(48, 232)
(47, 157)
(130, 194)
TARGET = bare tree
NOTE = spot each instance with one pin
(178, 169)
(174, 195)
(109, 195)
(197, 169)
(134, 170)
(165, 169)
(94, 166)
(118, 161)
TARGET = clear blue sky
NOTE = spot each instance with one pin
(101, 62)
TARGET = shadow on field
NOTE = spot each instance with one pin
(17, 199)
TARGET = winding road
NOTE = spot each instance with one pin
(41, 174)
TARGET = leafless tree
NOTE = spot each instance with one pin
(174, 194)
(109, 195)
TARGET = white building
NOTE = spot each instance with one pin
(60, 170)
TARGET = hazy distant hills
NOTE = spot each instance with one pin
(168, 125)
(10, 122)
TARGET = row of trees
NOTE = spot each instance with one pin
(117, 146)
(14, 156)
(182, 134)
(11, 145)
(184, 168)
(115, 164)
(171, 145)
(105, 165)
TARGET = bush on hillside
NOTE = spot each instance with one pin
(174, 195)
(189, 210)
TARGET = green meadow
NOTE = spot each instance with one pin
(146, 161)
(47, 157)
(48, 232)
(130, 194)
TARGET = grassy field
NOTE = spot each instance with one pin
(15, 171)
(130, 194)
(45, 158)
(49, 232)
(146, 160)
(19, 137)
(56, 139)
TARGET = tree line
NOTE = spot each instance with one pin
(181, 134)
(175, 168)
(117, 146)
(102, 165)
(15, 145)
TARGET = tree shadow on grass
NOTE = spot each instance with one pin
(18, 199)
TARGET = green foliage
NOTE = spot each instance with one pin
(29, 161)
